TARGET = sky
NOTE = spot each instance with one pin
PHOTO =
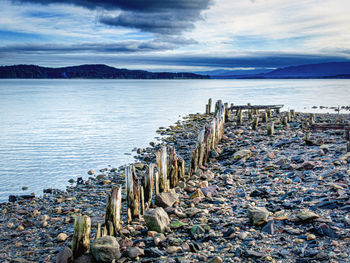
(174, 35)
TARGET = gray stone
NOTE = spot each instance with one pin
(157, 219)
(65, 256)
(105, 249)
(258, 215)
(167, 199)
(134, 252)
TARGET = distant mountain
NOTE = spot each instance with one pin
(88, 72)
(225, 72)
(318, 71)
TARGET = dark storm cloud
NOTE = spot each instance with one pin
(157, 16)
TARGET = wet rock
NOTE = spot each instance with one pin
(65, 256)
(197, 194)
(62, 237)
(209, 191)
(306, 215)
(167, 199)
(242, 154)
(258, 215)
(85, 259)
(269, 228)
(157, 219)
(134, 252)
(105, 249)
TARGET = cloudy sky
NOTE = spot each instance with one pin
(174, 35)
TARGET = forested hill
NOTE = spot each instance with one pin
(88, 72)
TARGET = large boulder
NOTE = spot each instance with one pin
(167, 199)
(105, 249)
(157, 219)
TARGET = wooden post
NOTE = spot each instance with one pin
(162, 161)
(264, 117)
(181, 164)
(289, 118)
(98, 231)
(173, 169)
(209, 106)
(81, 236)
(307, 136)
(227, 113)
(113, 208)
(271, 129)
(347, 134)
(239, 118)
(104, 231)
(132, 193)
(156, 182)
(250, 114)
(292, 113)
(148, 185)
(348, 147)
(142, 200)
(268, 112)
(206, 109)
(256, 123)
(277, 111)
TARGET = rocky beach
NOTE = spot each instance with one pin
(271, 191)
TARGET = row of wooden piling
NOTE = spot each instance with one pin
(168, 170)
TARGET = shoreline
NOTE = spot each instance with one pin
(30, 229)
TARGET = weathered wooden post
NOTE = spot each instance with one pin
(200, 146)
(209, 106)
(98, 231)
(271, 128)
(156, 182)
(148, 185)
(250, 114)
(113, 208)
(162, 162)
(81, 236)
(173, 169)
(206, 109)
(292, 113)
(268, 112)
(132, 193)
(239, 118)
(256, 123)
(142, 200)
(181, 164)
(227, 112)
(289, 118)
(277, 111)
(264, 117)
(307, 136)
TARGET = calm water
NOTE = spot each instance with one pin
(53, 130)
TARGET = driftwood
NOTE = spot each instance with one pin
(81, 236)
(132, 193)
(113, 208)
